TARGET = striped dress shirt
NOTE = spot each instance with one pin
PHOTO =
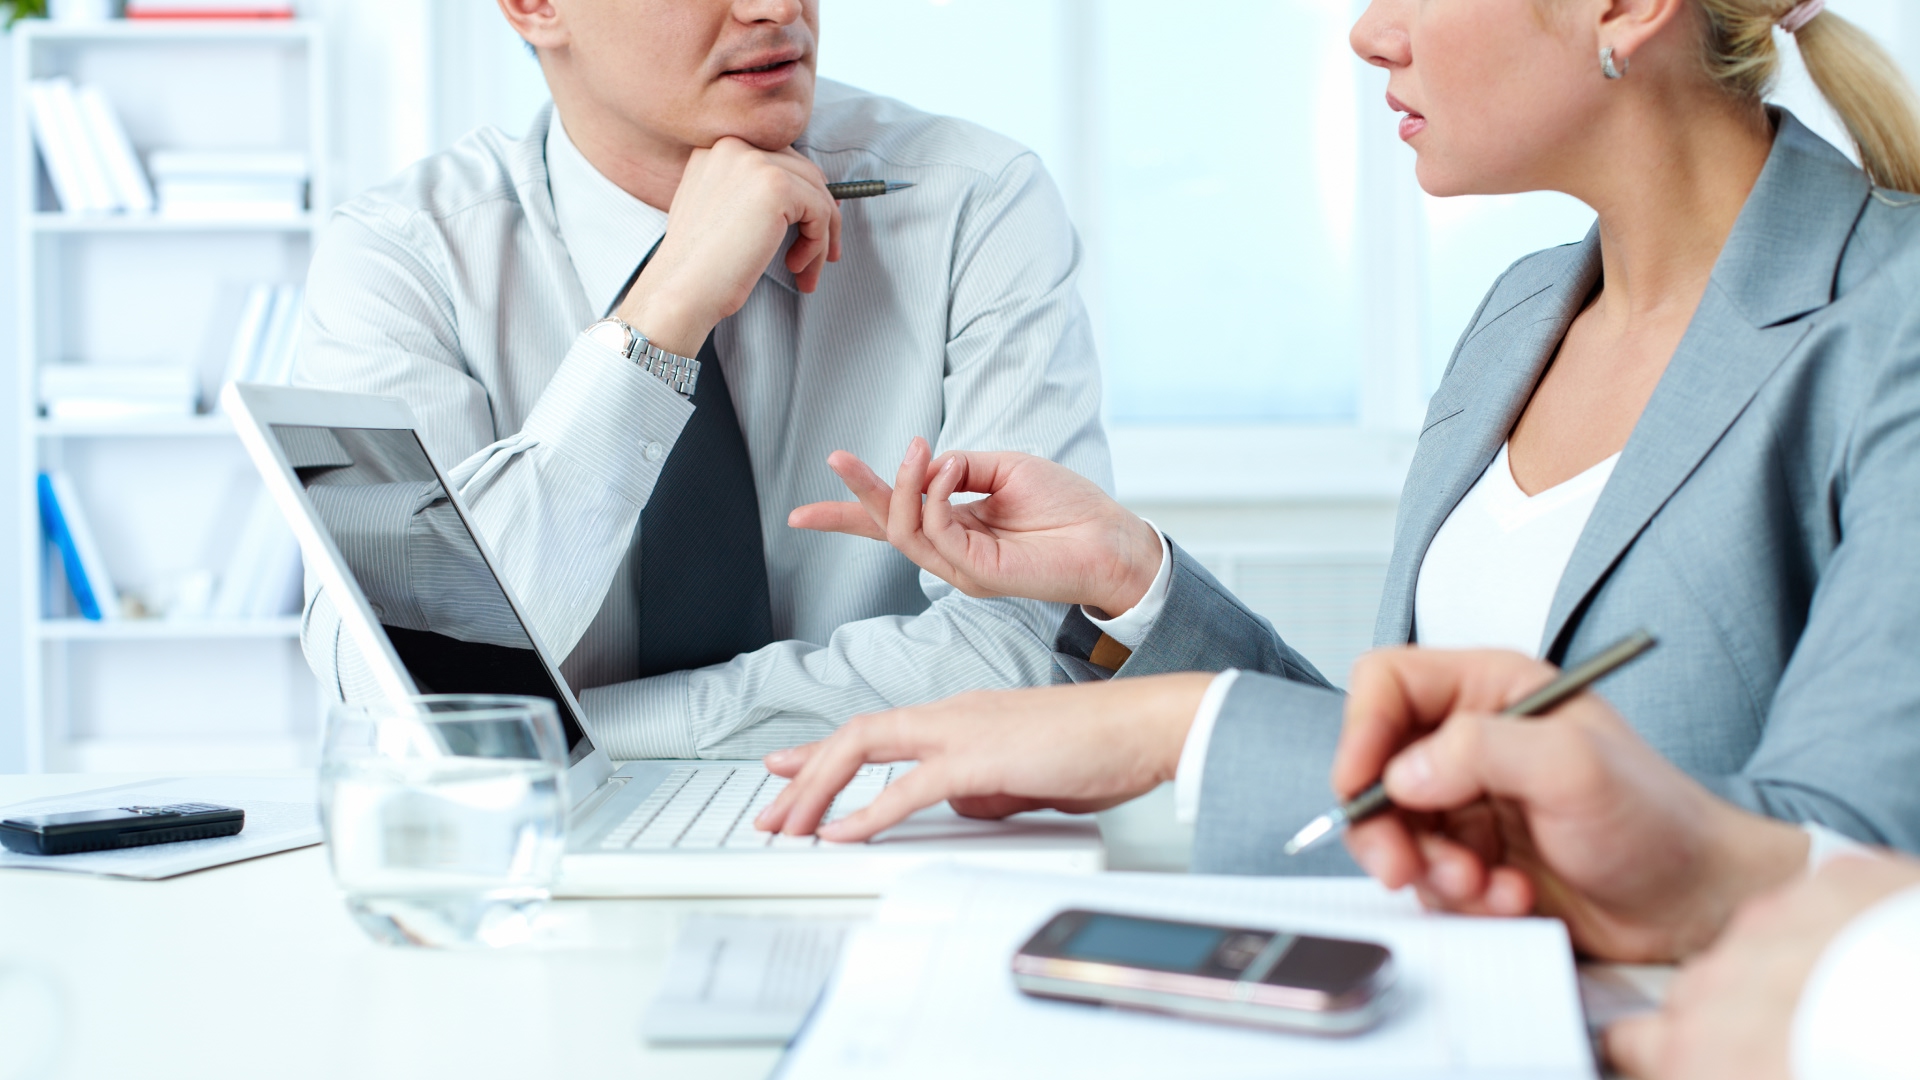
(463, 286)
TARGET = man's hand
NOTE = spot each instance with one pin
(729, 216)
(1043, 531)
(995, 753)
(1728, 1012)
(1570, 815)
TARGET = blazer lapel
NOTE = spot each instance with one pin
(1491, 380)
(1779, 264)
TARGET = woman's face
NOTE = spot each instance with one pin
(1498, 94)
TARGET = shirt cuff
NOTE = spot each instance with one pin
(1825, 844)
(1854, 1020)
(1193, 755)
(609, 417)
(1131, 627)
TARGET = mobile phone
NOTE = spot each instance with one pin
(1266, 978)
(118, 827)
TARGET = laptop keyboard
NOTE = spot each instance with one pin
(714, 807)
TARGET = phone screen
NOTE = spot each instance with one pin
(1147, 943)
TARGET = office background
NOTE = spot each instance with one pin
(1273, 296)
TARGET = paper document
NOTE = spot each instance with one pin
(280, 816)
(925, 991)
(744, 979)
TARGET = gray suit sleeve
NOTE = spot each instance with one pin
(1267, 775)
(1204, 627)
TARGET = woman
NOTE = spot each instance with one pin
(1704, 419)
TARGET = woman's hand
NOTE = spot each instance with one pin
(995, 753)
(1043, 531)
(1571, 815)
(1728, 1013)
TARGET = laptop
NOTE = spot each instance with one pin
(345, 467)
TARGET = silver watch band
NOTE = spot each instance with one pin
(680, 373)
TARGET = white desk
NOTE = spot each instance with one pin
(255, 970)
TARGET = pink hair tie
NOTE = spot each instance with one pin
(1801, 14)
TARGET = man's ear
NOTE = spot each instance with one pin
(537, 22)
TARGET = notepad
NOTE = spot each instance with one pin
(924, 991)
(743, 978)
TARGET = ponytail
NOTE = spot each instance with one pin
(1856, 76)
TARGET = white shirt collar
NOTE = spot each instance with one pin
(606, 230)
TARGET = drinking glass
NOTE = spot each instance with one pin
(444, 815)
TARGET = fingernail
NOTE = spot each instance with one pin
(831, 832)
(1412, 771)
(1369, 861)
(1451, 879)
(779, 757)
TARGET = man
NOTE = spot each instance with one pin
(631, 437)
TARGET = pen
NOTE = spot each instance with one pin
(866, 189)
(1572, 681)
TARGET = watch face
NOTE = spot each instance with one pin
(609, 333)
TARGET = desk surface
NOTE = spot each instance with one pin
(255, 969)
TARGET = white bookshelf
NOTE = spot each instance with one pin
(165, 495)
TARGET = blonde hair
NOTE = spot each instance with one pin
(1856, 76)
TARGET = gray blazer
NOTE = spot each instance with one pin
(1763, 521)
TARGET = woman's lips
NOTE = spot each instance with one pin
(1411, 124)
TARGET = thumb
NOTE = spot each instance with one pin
(1474, 755)
(1635, 1045)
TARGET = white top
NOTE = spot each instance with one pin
(463, 286)
(1855, 1017)
(1488, 578)
(1487, 581)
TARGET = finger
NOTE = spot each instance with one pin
(833, 235)
(904, 526)
(864, 483)
(1453, 872)
(1384, 848)
(1635, 1045)
(947, 536)
(849, 518)
(1510, 893)
(1474, 756)
(876, 738)
(923, 787)
(788, 762)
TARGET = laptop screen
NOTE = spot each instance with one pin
(411, 552)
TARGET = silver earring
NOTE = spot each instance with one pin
(1609, 68)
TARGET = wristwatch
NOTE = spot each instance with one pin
(680, 373)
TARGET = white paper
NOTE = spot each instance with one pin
(744, 979)
(925, 991)
(280, 816)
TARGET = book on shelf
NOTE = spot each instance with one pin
(208, 9)
(264, 344)
(202, 185)
(117, 391)
(89, 157)
(71, 536)
(263, 576)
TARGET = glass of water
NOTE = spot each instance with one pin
(444, 815)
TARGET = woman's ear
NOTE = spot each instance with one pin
(537, 22)
(1626, 26)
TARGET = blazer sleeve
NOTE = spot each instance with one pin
(1267, 774)
(1204, 627)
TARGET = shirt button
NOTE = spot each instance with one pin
(654, 451)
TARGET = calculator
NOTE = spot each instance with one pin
(118, 827)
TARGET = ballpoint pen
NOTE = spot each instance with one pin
(1572, 681)
(866, 189)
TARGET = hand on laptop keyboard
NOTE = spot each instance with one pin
(714, 807)
(992, 754)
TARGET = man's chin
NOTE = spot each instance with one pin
(769, 125)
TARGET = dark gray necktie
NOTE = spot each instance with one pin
(703, 573)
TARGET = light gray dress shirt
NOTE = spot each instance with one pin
(463, 286)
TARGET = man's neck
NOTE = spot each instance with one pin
(637, 161)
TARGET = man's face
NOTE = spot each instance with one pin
(692, 71)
